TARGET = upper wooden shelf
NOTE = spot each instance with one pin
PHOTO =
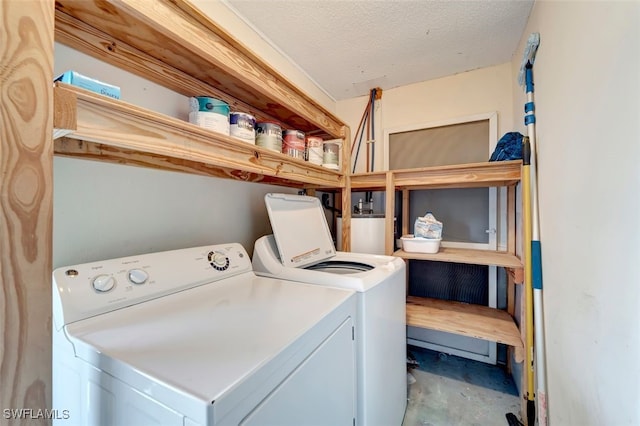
(472, 175)
(174, 44)
(92, 126)
(470, 256)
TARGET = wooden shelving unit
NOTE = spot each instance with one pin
(454, 317)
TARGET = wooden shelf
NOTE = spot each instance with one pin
(465, 319)
(469, 256)
(472, 175)
(172, 43)
(92, 126)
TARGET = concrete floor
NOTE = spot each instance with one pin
(450, 390)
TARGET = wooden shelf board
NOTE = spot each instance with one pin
(141, 137)
(171, 38)
(368, 181)
(472, 175)
(469, 256)
(465, 319)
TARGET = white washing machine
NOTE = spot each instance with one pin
(193, 337)
(301, 250)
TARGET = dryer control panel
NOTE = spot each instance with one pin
(89, 289)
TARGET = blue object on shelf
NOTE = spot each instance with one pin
(509, 147)
(76, 79)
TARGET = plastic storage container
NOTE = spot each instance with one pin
(412, 244)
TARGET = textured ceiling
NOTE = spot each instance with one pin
(351, 46)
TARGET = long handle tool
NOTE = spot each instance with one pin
(528, 293)
(536, 255)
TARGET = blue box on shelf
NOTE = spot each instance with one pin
(88, 83)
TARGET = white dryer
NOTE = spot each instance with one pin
(193, 337)
(301, 250)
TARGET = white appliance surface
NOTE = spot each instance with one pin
(367, 234)
(354, 271)
(213, 351)
(380, 284)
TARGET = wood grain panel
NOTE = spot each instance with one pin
(74, 148)
(26, 187)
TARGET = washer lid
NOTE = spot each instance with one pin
(300, 229)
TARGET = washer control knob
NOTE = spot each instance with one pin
(103, 283)
(138, 276)
(219, 261)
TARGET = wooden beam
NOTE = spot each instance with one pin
(511, 219)
(405, 213)
(64, 113)
(26, 167)
(74, 148)
(472, 175)
(346, 214)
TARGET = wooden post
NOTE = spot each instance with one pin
(511, 219)
(389, 213)
(346, 213)
(405, 213)
(26, 185)
(346, 189)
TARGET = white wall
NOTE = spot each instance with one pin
(470, 93)
(587, 95)
(105, 210)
